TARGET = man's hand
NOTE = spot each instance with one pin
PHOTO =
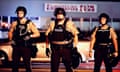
(12, 42)
(115, 54)
(90, 53)
(47, 52)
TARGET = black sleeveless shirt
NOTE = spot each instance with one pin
(20, 32)
(103, 35)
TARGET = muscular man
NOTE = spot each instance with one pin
(101, 39)
(20, 33)
(62, 35)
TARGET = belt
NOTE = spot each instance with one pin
(61, 42)
(104, 44)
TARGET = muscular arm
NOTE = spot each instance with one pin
(51, 26)
(75, 37)
(93, 39)
(12, 27)
(73, 29)
(114, 39)
(75, 40)
(92, 42)
(35, 31)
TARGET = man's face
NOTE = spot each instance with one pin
(20, 14)
(103, 20)
(60, 16)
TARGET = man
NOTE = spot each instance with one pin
(101, 39)
(21, 31)
(62, 35)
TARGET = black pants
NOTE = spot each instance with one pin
(101, 53)
(59, 52)
(23, 52)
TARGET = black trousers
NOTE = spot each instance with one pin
(23, 52)
(58, 52)
(101, 54)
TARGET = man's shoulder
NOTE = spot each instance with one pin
(70, 22)
(52, 23)
(14, 22)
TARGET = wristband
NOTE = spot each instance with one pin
(31, 36)
(90, 51)
(116, 51)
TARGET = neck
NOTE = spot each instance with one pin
(104, 25)
(61, 21)
(21, 18)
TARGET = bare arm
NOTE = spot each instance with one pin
(92, 42)
(93, 39)
(50, 28)
(73, 29)
(75, 37)
(114, 39)
(35, 31)
(12, 27)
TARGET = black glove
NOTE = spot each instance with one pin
(47, 52)
(74, 50)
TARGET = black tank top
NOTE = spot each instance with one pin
(60, 33)
(20, 32)
(103, 35)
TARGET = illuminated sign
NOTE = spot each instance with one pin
(83, 8)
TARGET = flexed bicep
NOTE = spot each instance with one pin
(34, 30)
